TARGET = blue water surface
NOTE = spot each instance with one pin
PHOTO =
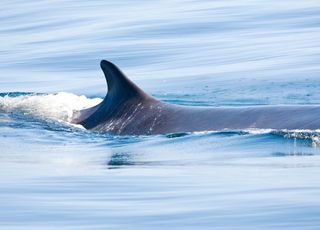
(54, 175)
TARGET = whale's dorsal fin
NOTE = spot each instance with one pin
(119, 86)
(123, 101)
(120, 90)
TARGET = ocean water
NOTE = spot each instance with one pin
(55, 175)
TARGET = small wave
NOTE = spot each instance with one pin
(312, 135)
(302, 134)
(58, 106)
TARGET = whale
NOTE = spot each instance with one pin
(128, 110)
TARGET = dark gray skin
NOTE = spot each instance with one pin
(128, 110)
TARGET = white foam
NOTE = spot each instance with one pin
(59, 106)
(258, 131)
(251, 131)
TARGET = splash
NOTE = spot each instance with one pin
(59, 106)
